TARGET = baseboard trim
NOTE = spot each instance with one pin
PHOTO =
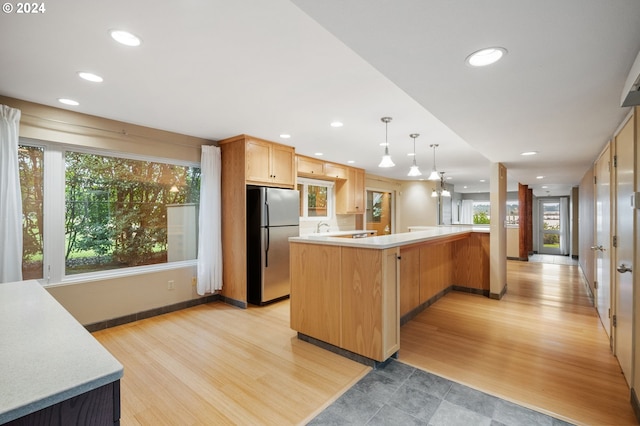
(498, 296)
(635, 404)
(433, 299)
(101, 325)
(345, 353)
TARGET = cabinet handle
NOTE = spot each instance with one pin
(399, 257)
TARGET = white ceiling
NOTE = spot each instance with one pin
(217, 68)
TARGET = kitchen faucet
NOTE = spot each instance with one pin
(322, 224)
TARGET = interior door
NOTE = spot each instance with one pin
(601, 245)
(550, 228)
(624, 249)
(379, 212)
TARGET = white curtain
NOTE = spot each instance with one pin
(10, 197)
(210, 222)
(466, 212)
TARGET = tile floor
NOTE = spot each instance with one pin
(398, 394)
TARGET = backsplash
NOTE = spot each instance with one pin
(343, 222)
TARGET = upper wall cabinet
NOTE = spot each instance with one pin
(350, 193)
(335, 171)
(266, 163)
(310, 166)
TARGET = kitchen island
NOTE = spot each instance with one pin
(351, 295)
(52, 371)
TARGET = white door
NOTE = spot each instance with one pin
(601, 248)
(622, 339)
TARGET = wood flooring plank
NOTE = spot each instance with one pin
(541, 346)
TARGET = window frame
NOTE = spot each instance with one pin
(54, 214)
(305, 182)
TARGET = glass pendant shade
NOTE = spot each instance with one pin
(414, 171)
(386, 160)
(446, 193)
(434, 175)
(434, 193)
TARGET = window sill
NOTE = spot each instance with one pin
(120, 273)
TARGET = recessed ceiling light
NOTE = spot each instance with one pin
(529, 153)
(89, 76)
(539, 177)
(350, 162)
(544, 187)
(337, 124)
(68, 101)
(411, 154)
(384, 144)
(285, 136)
(125, 37)
(319, 154)
(465, 187)
(486, 56)
(449, 177)
(482, 180)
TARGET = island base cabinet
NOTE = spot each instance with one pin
(347, 297)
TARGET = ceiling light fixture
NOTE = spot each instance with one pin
(442, 191)
(484, 57)
(527, 153)
(386, 158)
(285, 136)
(434, 172)
(336, 124)
(319, 154)
(126, 38)
(68, 101)
(414, 171)
(89, 76)
(539, 177)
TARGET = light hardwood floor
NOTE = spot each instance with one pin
(216, 364)
(541, 346)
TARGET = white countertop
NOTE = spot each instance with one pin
(46, 356)
(394, 240)
(339, 233)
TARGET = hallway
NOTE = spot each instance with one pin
(541, 346)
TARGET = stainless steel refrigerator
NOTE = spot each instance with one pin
(272, 217)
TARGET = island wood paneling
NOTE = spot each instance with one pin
(436, 269)
(409, 279)
(315, 291)
(471, 264)
(362, 293)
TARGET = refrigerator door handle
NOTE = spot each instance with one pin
(266, 250)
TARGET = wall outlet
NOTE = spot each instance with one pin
(194, 281)
(171, 285)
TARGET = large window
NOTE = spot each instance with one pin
(316, 198)
(104, 212)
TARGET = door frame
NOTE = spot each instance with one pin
(541, 230)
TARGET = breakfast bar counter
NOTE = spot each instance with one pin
(352, 295)
(52, 369)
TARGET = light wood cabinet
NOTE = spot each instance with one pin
(246, 160)
(409, 279)
(347, 297)
(309, 166)
(350, 193)
(268, 163)
(335, 171)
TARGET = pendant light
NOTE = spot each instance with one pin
(414, 171)
(442, 190)
(386, 158)
(434, 172)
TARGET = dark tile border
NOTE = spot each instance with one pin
(151, 313)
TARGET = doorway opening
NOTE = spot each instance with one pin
(379, 212)
(553, 220)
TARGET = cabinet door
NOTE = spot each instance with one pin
(310, 167)
(409, 279)
(282, 165)
(357, 178)
(258, 161)
(315, 291)
(335, 171)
